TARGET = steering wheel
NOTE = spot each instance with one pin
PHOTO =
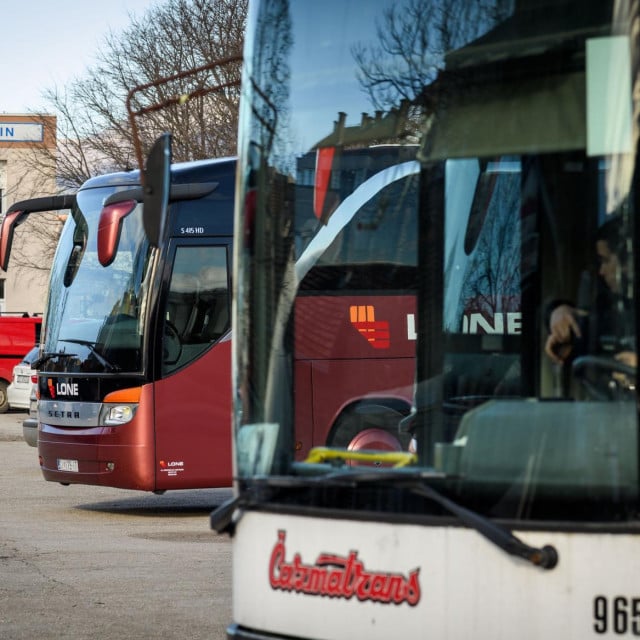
(604, 378)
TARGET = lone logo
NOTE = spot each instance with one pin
(62, 388)
(375, 332)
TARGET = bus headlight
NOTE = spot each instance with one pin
(115, 414)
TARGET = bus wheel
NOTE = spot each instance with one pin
(371, 427)
(4, 400)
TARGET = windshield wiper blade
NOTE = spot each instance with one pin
(91, 346)
(45, 357)
(545, 557)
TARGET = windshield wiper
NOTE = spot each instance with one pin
(91, 346)
(546, 557)
(45, 357)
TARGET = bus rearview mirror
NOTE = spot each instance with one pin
(18, 212)
(11, 219)
(157, 178)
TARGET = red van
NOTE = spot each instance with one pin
(19, 332)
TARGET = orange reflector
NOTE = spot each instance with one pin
(130, 395)
(362, 313)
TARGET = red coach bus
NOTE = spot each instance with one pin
(134, 370)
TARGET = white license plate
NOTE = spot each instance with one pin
(23, 379)
(67, 465)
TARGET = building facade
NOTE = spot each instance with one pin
(27, 170)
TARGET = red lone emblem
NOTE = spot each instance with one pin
(375, 332)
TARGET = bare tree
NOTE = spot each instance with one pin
(413, 38)
(168, 40)
(492, 281)
(94, 134)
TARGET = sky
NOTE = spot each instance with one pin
(47, 43)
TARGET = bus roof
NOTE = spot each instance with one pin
(195, 171)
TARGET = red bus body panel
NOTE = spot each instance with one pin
(349, 349)
(190, 446)
(193, 423)
(129, 447)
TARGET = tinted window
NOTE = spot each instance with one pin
(197, 312)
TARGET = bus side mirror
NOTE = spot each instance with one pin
(17, 214)
(9, 223)
(157, 178)
(109, 228)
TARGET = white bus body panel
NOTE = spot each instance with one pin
(467, 587)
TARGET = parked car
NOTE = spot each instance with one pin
(19, 391)
(30, 424)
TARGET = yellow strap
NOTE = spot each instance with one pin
(394, 458)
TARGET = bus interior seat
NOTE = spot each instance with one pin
(588, 449)
(182, 302)
(215, 302)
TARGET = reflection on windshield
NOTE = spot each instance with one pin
(97, 313)
(105, 363)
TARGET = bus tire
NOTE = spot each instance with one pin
(358, 425)
(4, 399)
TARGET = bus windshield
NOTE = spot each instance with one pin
(95, 315)
(485, 165)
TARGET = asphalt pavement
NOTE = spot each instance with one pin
(11, 425)
(82, 562)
